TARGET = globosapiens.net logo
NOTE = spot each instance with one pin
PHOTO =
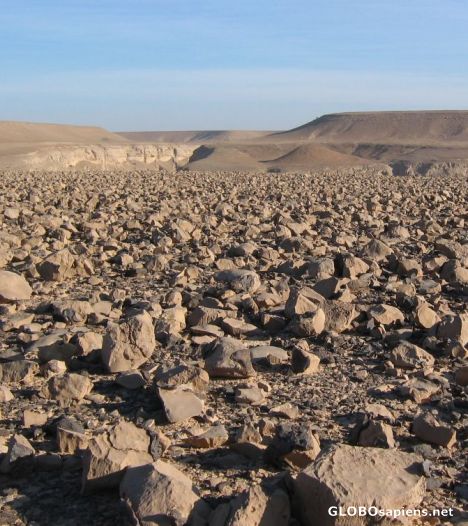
(374, 511)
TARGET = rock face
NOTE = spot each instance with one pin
(357, 476)
(159, 493)
(129, 344)
(13, 287)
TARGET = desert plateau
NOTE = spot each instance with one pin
(234, 328)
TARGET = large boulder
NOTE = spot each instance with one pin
(67, 388)
(159, 493)
(13, 287)
(240, 280)
(229, 359)
(128, 345)
(350, 476)
(56, 267)
(256, 507)
(111, 452)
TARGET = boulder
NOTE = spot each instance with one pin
(428, 428)
(180, 403)
(409, 356)
(159, 493)
(240, 280)
(13, 287)
(111, 452)
(256, 507)
(357, 476)
(229, 359)
(129, 344)
(56, 267)
(67, 388)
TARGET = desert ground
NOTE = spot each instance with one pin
(234, 328)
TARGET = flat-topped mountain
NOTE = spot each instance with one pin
(388, 127)
(33, 132)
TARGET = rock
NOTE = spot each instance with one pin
(461, 376)
(180, 403)
(33, 418)
(308, 325)
(454, 328)
(131, 380)
(452, 249)
(18, 455)
(236, 327)
(376, 434)
(304, 362)
(427, 428)
(296, 443)
(159, 491)
(240, 280)
(71, 437)
(257, 507)
(18, 371)
(385, 315)
(67, 388)
(338, 315)
(5, 394)
(190, 376)
(110, 453)
(16, 321)
(229, 359)
(129, 344)
(57, 267)
(286, 410)
(409, 356)
(215, 436)
(13, 287)
(377, 250)
(357, 476)
(420, 390)
(302, 301)
(268, 353)
(425, 317)
(249, 394)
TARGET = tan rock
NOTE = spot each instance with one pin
(428, 428)
(409, 356)
(13, 287)
(67, 388)
(180, 403)
(357, 476)
(129, 344)
(160, 490)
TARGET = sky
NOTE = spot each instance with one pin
(243, 64)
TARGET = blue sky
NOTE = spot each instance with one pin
(153, 64)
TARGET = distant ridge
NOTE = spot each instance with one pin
(32, 132)
(195, 137)
(386, 127)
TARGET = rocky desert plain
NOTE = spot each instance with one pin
(234, 328)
